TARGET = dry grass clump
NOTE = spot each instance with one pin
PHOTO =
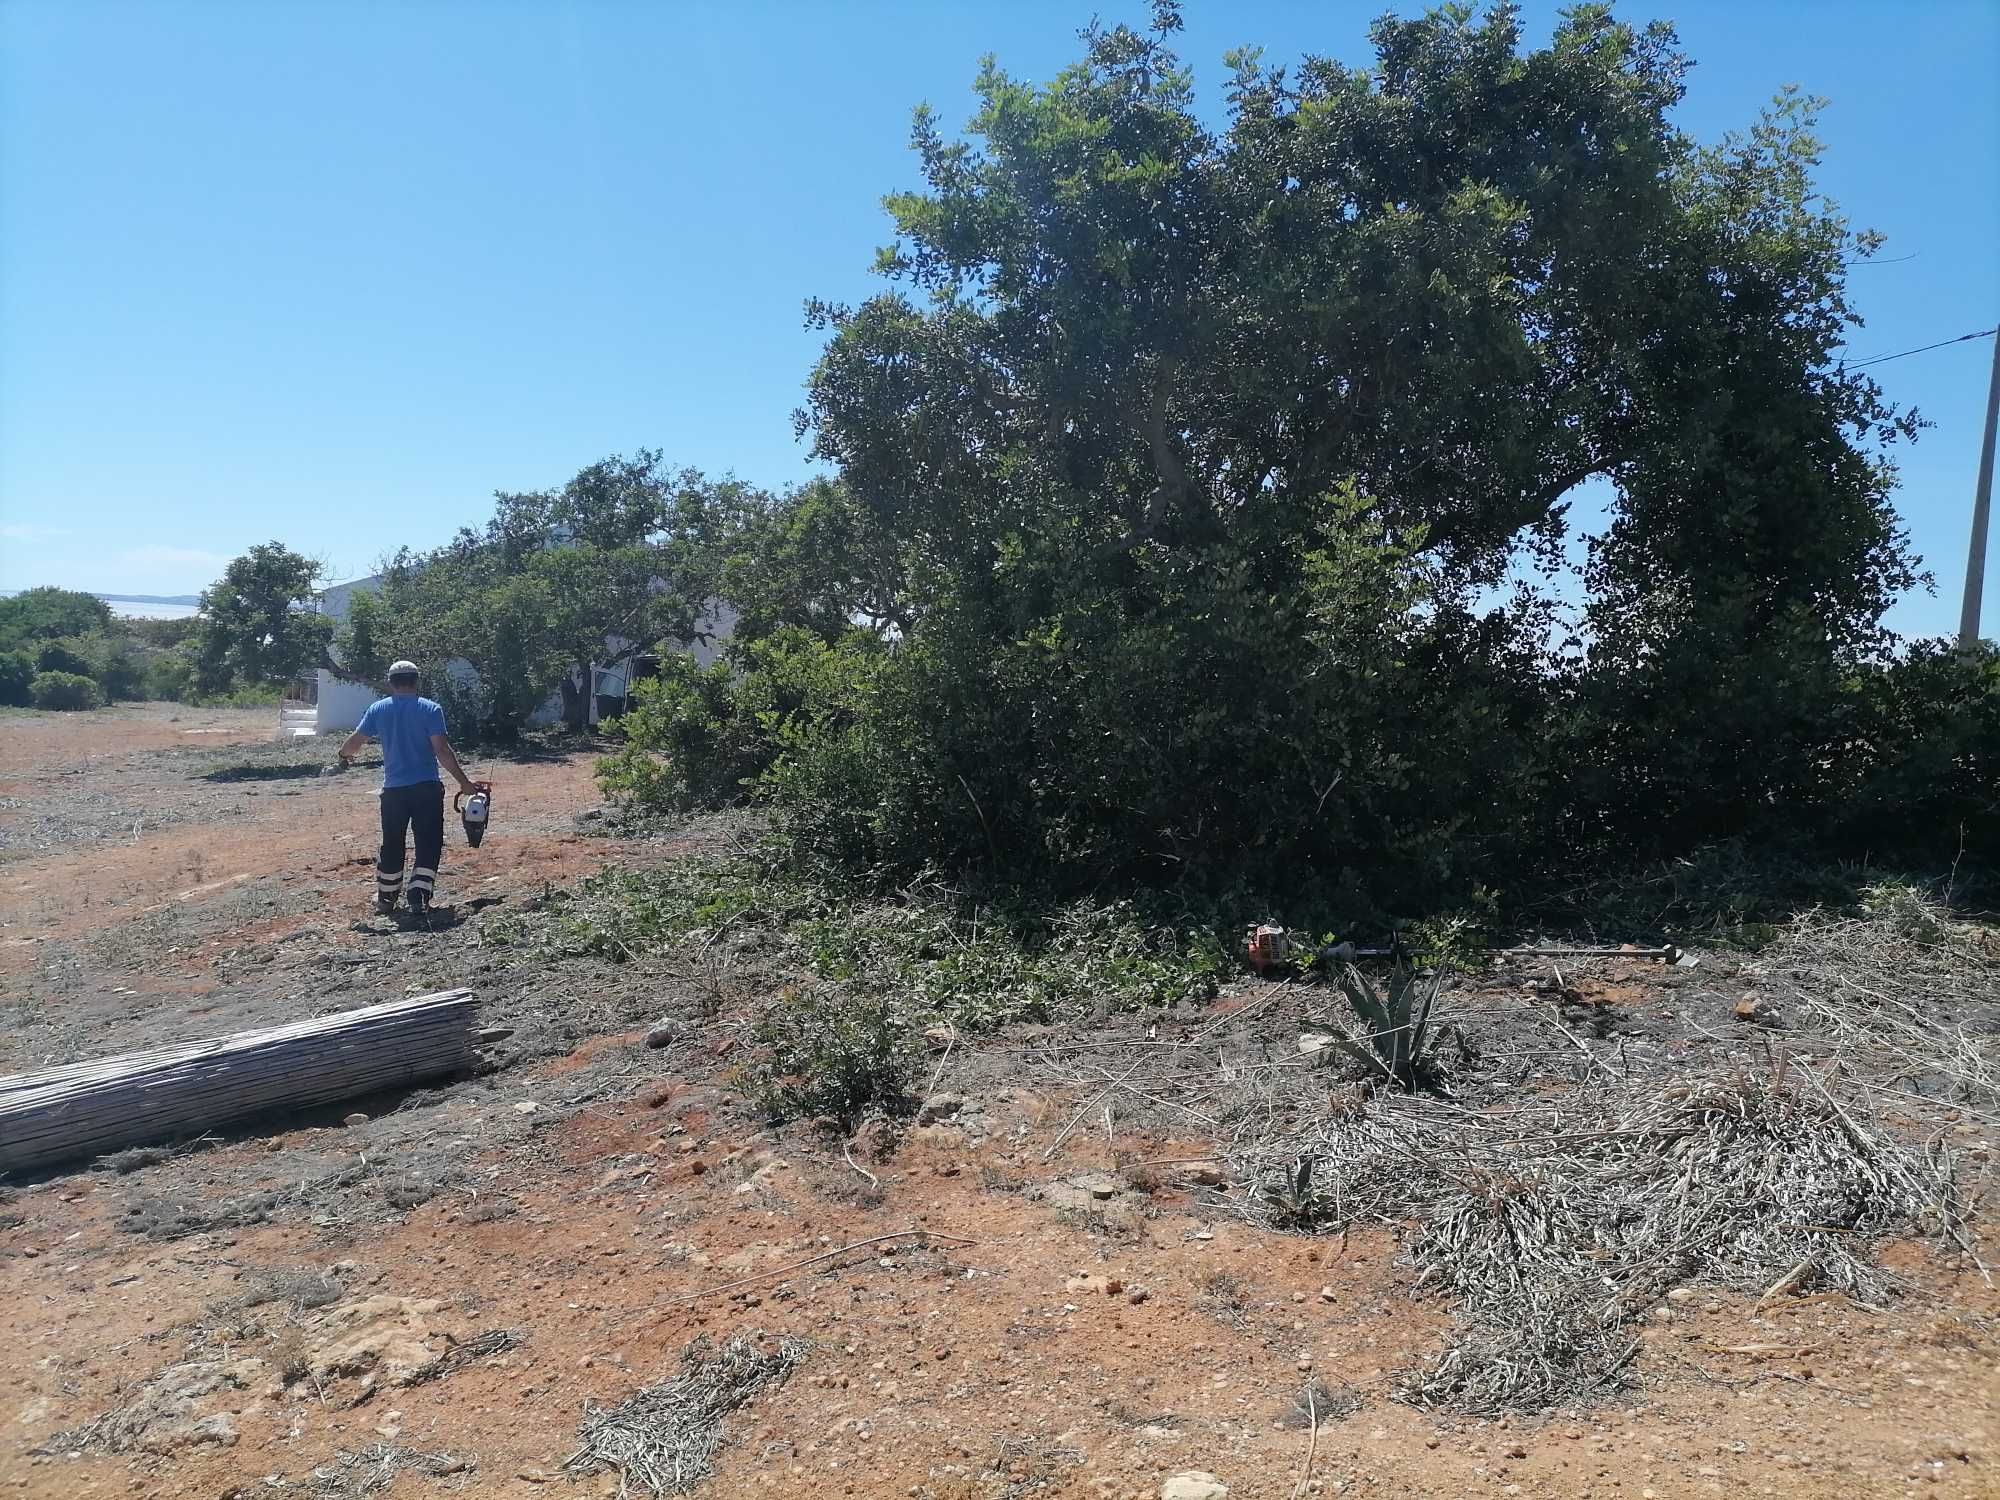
(663, 1439)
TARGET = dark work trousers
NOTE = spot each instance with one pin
(419, 808)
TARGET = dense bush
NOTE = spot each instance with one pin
(702, 736)
(41, 614)
(1922, 773)
(170, 676)
(69, 656)
(72, 634)
(17, 675)
(65, 690)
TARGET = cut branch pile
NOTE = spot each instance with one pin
(1908, 999)
(87, 1109)
(662, 1440)
(1551, 1235)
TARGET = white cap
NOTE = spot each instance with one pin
(402, 669)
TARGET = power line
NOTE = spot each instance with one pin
(1940, 344)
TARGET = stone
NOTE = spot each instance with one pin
(383, 1338)
(1680, 1294)
(939, 1107)
(655, 1094)
(1100, 1185)
(357, 1118)
(1193, 1484)
(1206, 1174)
(664, 1032)
(526, 1107)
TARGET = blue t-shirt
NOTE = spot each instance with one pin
(405, 726)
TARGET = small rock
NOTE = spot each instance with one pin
(1136, 1295)
(664, 1032)
(654, 1094)
(1680, 1294)
(940, 1107)
(1099, 1185)
(488, 1035)
(526, 1107)
(357, 1118)
(1193, 1484)
(30, 1252)
(1326, 1294)
(533, 1475)
(1097, 1285)
(1206, 1174)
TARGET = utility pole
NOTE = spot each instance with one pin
(1982, 509)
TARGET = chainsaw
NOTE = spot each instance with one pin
(474, 810)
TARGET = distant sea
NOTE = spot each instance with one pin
(147, 609)
(142, 606)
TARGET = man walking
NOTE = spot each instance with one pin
(411, 730)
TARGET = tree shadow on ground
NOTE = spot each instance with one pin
(300, 772)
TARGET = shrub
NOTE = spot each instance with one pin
(119, 669)
(170, 676)
(65, 690)
(833, 1054)
(69, 655)
(1925, 761)
(704, 736)
(17, 675)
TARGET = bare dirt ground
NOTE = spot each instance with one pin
(427, 1301)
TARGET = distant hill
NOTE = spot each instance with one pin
(148, 598)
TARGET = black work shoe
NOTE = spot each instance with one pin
(385, 906)
(420, 904)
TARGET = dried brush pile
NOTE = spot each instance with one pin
(662, 1440)
(373, 1471)
(1553, 1227)
(1555, 1219)
(1906, 998)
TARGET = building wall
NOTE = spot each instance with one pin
(342, 702)
(334, 601)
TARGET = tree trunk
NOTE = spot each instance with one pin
(576, 703)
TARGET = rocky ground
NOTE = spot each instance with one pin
(1031, 1290)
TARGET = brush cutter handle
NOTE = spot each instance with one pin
(458, 797)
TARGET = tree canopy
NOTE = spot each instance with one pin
(1212, 480)
(621, 557)
(258, 621)
(42, 614)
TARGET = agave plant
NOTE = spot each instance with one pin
(1399, 1023)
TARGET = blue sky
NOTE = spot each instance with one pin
(333, 273)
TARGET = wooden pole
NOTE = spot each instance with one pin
(88, 1108)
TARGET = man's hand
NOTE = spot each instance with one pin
(466, 784)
